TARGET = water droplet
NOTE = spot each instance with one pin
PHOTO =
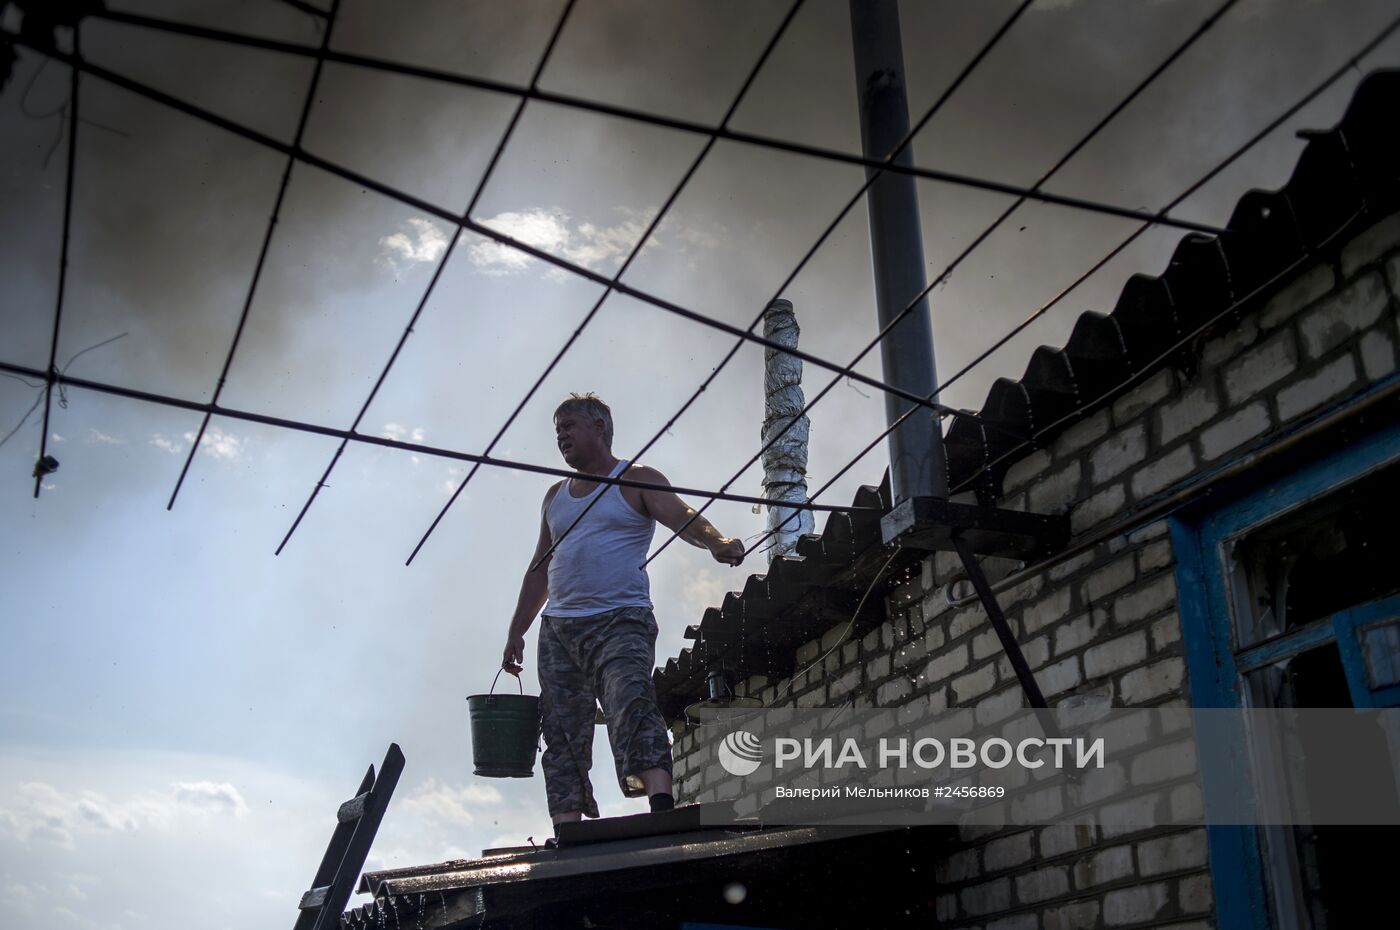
(735, 893)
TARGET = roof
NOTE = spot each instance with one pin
(1346, 178)
(671, 864)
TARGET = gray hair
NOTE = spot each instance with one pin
(589, 405)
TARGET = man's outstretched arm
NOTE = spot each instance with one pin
(673, 513)
(534, 591)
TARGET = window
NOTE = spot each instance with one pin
(1290, 598)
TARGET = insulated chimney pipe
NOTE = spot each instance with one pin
(785, 463)
(917, 464)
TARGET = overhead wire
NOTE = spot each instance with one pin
(871, 178)
(272, 224)
(446, 256)
(636, 250)
(614, 110)
(417, 448)
(467, 223)
(1269, 128)
(1142, 85)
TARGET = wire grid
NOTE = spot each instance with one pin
(464, 222)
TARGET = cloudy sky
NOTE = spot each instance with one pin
(180, 710)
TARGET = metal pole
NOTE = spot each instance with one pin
(917, 464)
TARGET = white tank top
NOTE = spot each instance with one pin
(598, 566)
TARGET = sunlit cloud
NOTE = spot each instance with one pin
(215, 442)
(452, 804)
(600, 247)
(214, 797)
(418, 241)
(97, 437)
(401, 433)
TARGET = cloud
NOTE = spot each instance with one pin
(39, 812)
(169, 445)
(552, 230)
(418, 241)
(441, 802)
(704, 588)
(215, 442)
(215, 797)
(97, 437)
(400, 433)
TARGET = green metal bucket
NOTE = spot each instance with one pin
(505, 733)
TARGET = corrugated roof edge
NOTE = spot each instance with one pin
(1345, 178)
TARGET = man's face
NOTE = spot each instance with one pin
(577, 437)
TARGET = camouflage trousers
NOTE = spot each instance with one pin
(608, 656)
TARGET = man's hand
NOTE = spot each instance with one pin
(729, 551)
(512, 660)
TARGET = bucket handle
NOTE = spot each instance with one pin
(518, 682)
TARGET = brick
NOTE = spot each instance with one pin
(985, 644)
(1164, 471)
(987, 898)
(1328, 382)
(1062, 676)
(1042, 884)
(878, 667)
(1172, 853)
(1100, 784)
(913, 651)
(1230, 343)
(1015, 922)
(1377, 355)
(998, 707)
(1164, 763)
(816, 697)
(1115, 655)
(1037, 806)
(1023, 471)
(946, 907)
(974, 684)
(947, 665)
(1147, 394)
(1116, 453)
(1340, 317)
(808, 652)
(1094, 510)
(1308, 287)
(1260, 367)
(1153, 681)
(1235, 430)
(1154, 556)
(1149, 532)
(1134, 905)
(1081, 915)
(1055, 492)
(1194, 895)
(1102, 867)
(1184, 415)
(968, 618)
(1007, 852)
(1060, 838)
(958, 867)
(1165, 632)
(1070, 566)
(1079, 632)
(1369, 245)
(893, 691)
(1112, 577)
(844, 685)
(1049, 609)
(1152, 598)
(1085, 432)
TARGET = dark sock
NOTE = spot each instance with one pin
(661, 801)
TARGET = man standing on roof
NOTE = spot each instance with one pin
(598, 636)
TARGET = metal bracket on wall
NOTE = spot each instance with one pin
(936, 525)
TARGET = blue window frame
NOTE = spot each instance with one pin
(1222, 649)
